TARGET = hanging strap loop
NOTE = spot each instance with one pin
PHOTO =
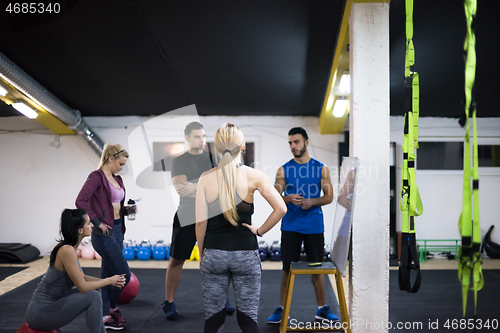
(410, 203)
(469, 224)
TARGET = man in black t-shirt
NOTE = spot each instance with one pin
(186, 169)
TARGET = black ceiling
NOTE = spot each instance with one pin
(145, 57)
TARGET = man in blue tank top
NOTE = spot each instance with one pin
(302, 181)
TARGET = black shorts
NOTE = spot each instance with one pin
(183, 240)
(291, 242)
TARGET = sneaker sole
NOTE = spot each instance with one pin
(276, 322)
(321, 318)
(123, 323)
(113, 328)
(171, 316)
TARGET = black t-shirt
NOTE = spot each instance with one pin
(192, 166)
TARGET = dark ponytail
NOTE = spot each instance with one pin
(71, 221)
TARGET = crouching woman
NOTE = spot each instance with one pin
(56, 302)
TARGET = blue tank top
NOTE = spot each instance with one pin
(306, 180)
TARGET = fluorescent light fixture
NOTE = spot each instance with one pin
(345, 83)
(340, 107)
(3, 91)
(24, 109)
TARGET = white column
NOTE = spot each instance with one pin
(369, 141)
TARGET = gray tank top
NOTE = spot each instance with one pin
(54, 285)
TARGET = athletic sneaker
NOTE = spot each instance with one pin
(112, 324)
(325, 313)
(275, 318)
(229, 309)
(170, 310)
(117, 315)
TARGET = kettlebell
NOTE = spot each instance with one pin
(303, 255)
(275, 251)
(159, 250)
(144, 251)
(195, 254)
(327, 252)
(263, 250)
(128, 251)
(88, 251)
(79, 250)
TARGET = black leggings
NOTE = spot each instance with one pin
(218, 268)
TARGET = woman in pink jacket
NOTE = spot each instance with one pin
(103, 196)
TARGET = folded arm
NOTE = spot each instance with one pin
(183, 187)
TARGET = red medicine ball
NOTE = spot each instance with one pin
(130, 291)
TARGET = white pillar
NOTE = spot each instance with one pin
(369, 141)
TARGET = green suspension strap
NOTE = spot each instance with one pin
(469, 255)
(410, 203)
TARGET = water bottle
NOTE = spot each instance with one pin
(131, 210)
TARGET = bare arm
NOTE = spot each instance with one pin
(273, 197)
(69, 261)
(90, 278)
(326, 186)
(201, 214)
(280, 184)
(183, 187)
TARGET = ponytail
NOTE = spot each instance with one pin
(110, 150)
(71, 221)
(229, 141)
(226, 173)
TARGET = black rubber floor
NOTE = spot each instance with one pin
(437, 306)
(144, 313)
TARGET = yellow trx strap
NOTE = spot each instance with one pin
(469, 255)
(410, 204)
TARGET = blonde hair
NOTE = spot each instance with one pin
(110, 150)
(229, 141)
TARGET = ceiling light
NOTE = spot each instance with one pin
(3, 91)
(340, 107)
(345, 83)
(24, 109)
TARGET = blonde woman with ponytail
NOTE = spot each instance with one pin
(226, 236)
(103, 198)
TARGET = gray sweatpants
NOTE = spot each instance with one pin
(218, 268)
(61, 312)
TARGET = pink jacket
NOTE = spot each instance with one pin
(95, 198)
